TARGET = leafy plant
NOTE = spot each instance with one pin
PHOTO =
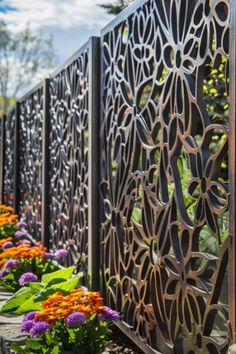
(74, 323)
(30, 297)
(28, 259)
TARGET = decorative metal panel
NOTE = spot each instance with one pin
(8, 158)
(69, 95)
(30, 160)
(165, 172)
(1, 156)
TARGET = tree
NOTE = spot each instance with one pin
(117, 7)
(22, 56)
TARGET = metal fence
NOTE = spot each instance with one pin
(30, 159)
(8, 149)
(122, 156)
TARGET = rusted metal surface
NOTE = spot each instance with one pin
(164, 172)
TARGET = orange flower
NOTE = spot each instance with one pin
(59, 307)
(6, 216)
(23, 252)
(6, 208)
(8, 219)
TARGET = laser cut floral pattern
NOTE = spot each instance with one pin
(8, 152)
(164, 180)
(69, 158)
(30, 160)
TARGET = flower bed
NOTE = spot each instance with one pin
(60, 315)
(73, 323)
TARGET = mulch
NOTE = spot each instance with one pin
(119, 343)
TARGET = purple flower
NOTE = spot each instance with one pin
(4, 273)
(7, 244)
(11, 263)
(39, 328)
(27, 325)
(21, 224)
(61, 253)
(26, 278)
(76, 319)
(20, 233)
(108, 315)
(30, 316)
(24, 242)
(48, 255)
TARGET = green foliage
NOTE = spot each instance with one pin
(30, 298)
(60, 274)
(7, 230)
(89, 338)
(22, 55)
(35, 265)
(117, 7)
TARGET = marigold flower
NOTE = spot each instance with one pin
(24, 251)
(59, 307)
(6, 216)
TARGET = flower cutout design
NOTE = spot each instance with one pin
(210, 192)
(156, 125)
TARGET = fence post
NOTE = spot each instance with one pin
(16, 168)
(232, 178)
(2, 158)
(93, 199)
(45, 235)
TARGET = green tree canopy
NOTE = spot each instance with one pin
(23, 56)
(116, 7)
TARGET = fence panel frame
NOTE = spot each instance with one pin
(45, 232)
(92, 46)
(16, 178)
(232, 175)
(93, 163)
(2, 157)
(28, 96)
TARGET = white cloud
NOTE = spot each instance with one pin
(61, 13)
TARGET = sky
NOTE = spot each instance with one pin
(70, 22)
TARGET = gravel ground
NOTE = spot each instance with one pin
(120, 344)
